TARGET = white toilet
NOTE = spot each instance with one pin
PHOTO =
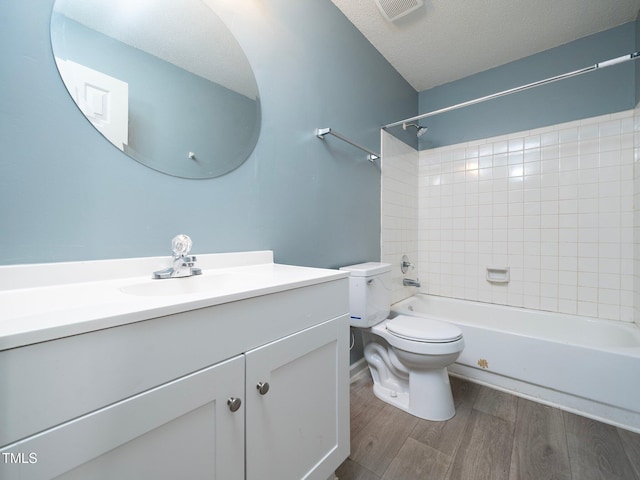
(407, 356)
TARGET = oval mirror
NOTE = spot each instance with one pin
(164, 81)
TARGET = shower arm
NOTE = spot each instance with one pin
(606, 63)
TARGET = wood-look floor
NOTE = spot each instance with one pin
(493, 436)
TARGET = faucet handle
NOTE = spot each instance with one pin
(406, 265)
(181, 245)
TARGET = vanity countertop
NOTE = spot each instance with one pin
(41, 302)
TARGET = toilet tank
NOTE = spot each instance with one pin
(369, 293)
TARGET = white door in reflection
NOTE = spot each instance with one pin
(103, 99)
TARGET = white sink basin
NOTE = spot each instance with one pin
(42, 302)
(186, 285)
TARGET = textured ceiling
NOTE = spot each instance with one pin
(446, 40)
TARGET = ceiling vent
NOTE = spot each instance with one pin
(394, 9)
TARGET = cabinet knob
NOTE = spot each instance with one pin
(263, 387)
(234, 403)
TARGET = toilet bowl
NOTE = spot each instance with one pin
(425, 349)
(407, 356)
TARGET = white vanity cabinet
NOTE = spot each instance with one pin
(151, 399)
(297, 411)
(182, 429)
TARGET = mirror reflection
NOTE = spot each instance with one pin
(164, 81)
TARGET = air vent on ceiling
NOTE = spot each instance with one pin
(394, 9)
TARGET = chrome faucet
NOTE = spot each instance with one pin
(405, 264)
(407, 282)
(182, 263)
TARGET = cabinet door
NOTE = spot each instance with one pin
(182, 429)
(299, 428)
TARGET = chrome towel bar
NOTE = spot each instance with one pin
(321, 132)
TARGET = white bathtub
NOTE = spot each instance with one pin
(583, 365)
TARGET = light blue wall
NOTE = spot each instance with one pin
(67, 194)
(608, 90)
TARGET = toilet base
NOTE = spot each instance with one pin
(429, 395)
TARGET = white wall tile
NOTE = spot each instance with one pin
(555, 204)
(550, 204)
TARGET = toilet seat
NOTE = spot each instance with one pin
(421, 329)
(420, 346)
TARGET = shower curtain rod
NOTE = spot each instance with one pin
(321, 132)
(606, 63)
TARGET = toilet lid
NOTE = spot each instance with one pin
(421, 329)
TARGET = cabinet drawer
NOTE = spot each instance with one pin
(177, 430)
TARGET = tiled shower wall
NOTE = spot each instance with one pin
(399, 210)
(555, 205)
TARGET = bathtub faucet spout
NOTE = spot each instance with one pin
(407, 282)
